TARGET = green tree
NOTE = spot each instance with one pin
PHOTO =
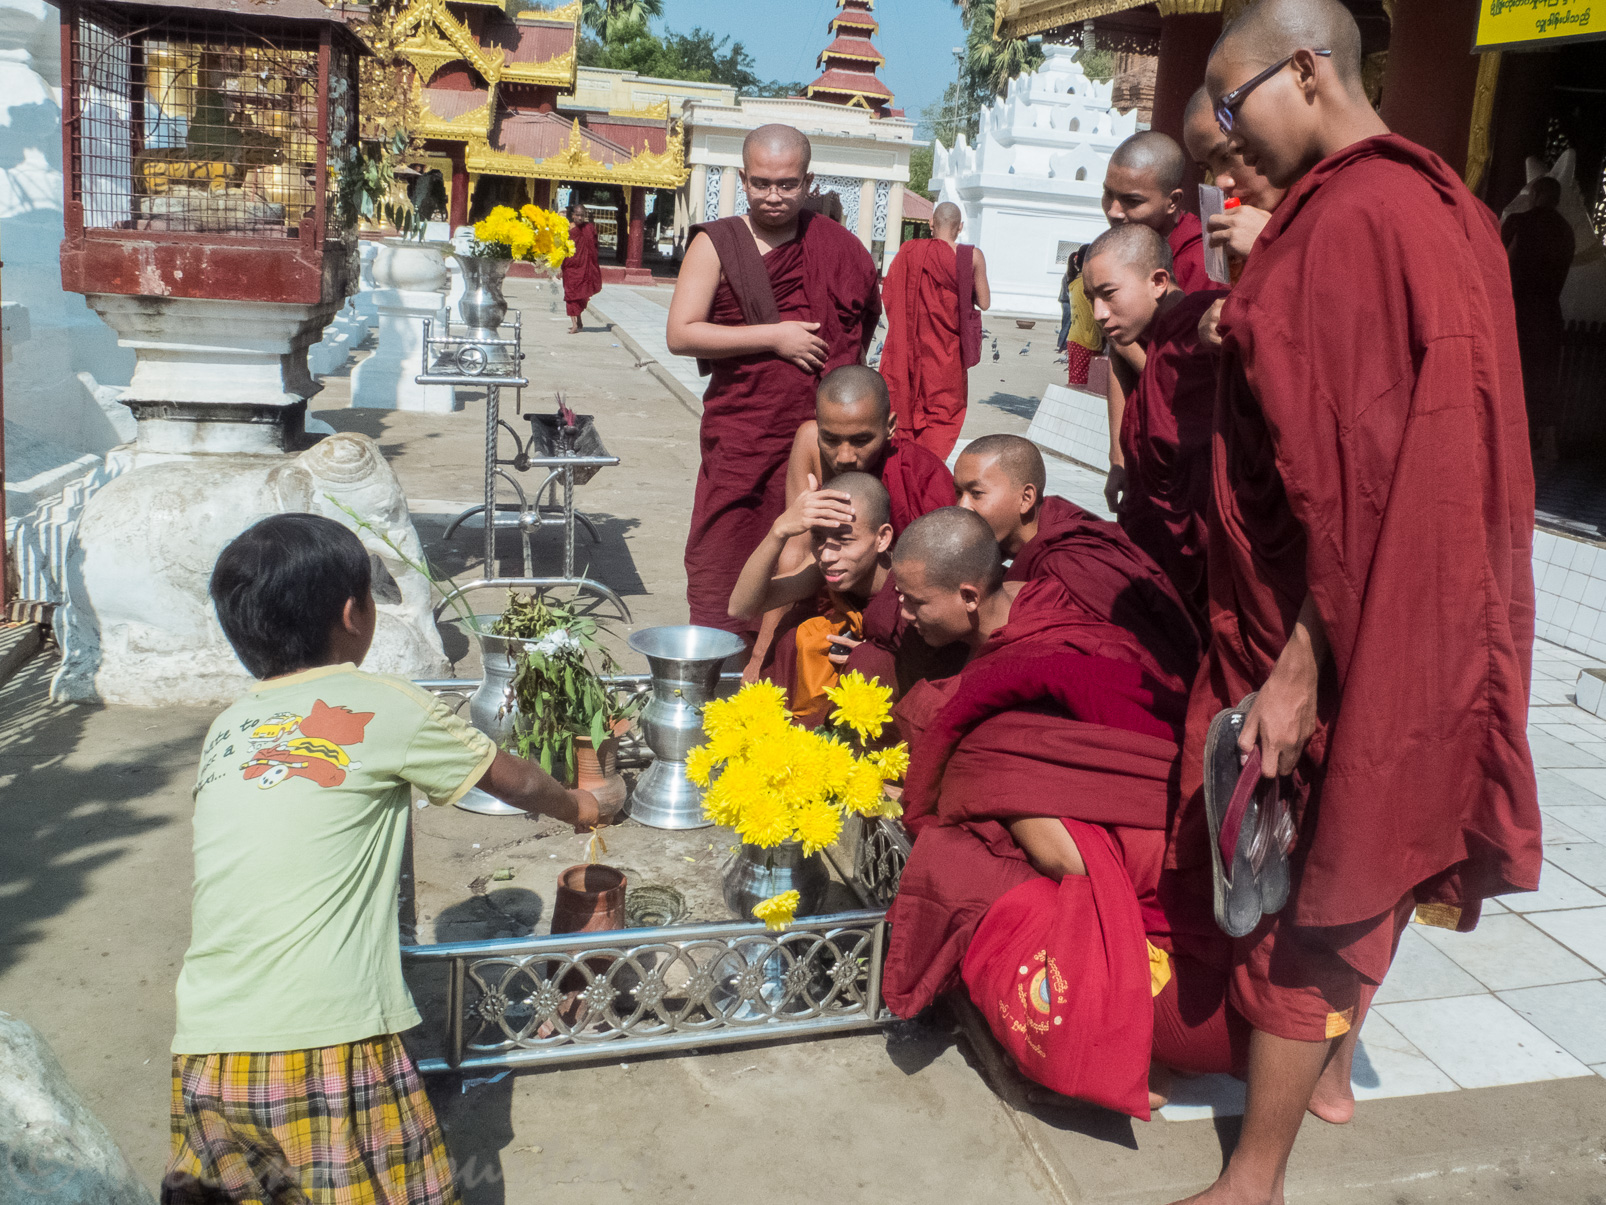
(1099, 64)
(920, 170)
(685, 56)
(614, 19)
(990, 63)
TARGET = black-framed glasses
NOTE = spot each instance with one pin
(1227, 106)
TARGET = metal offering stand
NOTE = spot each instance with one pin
(696, 982)
(566, 445)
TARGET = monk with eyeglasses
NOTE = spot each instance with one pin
(769, 302)
(1370, 577)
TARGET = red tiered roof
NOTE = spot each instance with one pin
(849, 63)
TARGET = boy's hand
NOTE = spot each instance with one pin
(797, 343)
(813, 508)
(1237, 229)
(1210, 325)
(588, 812)
(840, 648)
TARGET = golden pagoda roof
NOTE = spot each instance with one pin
(1021, 18)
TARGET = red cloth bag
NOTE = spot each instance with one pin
(1061, 972)
(969, 315)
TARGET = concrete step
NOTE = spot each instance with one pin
(18, 642)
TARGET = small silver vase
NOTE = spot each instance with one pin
(482, 305)
(755, 874)
(493, 709)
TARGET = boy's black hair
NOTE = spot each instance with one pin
(281, 584)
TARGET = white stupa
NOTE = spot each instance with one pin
(1030, 187)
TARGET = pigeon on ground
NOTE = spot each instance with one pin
(995, 349)
(1027, 348)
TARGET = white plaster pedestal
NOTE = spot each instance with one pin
(220, 392)
(410, 281)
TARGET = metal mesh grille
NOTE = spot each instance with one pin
(195, 129)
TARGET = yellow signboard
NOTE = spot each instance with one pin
(1515, 24)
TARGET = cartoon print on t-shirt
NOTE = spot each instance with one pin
(310, 746)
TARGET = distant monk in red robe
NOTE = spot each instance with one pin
(1238, 228)
(1040, 783)
(933, 285)
(1370, 565)
(1143, 186)
(770, 301)
(849, 529)
(1001, 478)
(853, 431)
(582, 271)
(1164, 480)
(1539, 252)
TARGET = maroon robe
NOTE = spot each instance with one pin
(1112, 579)
(1165, 441)
(921, 361)
(582, 271)
(755, 404)
(917, 482)
(1186, 241)
(1371, 452)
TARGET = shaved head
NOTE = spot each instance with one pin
(1019, 458)
(1153, 154)
(954, 548)
(946, 219)
(777, 141)
(1199, 107)
(854, 385)
(871, 505)
(1135, 247)
(1271, 30)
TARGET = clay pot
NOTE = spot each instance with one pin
(590, 899)
(597, 770)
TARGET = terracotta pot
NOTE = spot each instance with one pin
(596, 770)
(590, 899)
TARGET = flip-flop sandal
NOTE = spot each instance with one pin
(1250, 830)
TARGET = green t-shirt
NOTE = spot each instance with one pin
(300, 816)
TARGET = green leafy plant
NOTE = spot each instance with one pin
(369, 189)
(558, 684)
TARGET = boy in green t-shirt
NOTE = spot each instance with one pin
(289, 1080)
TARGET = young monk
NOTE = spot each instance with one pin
(1038, 793)
(931, 287)
(1163, 484)
(771, 301)
(1237, 229)
(1002, 478)
(1370, 570)
(849, 527)
(1143, 186)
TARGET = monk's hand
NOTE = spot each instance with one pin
(588, 812)
(796, 343)
(813, 508)
(840, 648)
(1283, 715)
(1210, 324)
(1115, 487)
(1237, 229)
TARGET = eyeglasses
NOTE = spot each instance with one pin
(785, 188)
(1228, 105)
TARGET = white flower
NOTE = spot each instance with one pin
(556, 643)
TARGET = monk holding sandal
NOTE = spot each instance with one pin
(1370, 576)
(769, 302)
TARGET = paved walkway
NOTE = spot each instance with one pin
(1523, 998)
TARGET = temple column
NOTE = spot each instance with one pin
(697, 190)
(894, 226)
(638, 216)
(1429, 81)
(1186, 39)
(621, 225)
(866, 230)
(728, 184)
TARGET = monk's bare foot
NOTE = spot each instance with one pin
(1225, 1192)
(1159, 1085)
(1334, 1098)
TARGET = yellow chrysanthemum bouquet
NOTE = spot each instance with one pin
(773, 781)
(533, 234)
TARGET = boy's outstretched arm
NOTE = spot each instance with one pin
(525, 785)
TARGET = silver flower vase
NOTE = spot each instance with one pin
(755, 874)
(482, 306)
(493, 709)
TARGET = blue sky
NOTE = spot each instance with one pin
(785, 36)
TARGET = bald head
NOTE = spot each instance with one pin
(776, 141)
(946, 220)
(851, 387)
(1018, 458)
(872, 508)
(1271, 30)
(1135, 247)
(1152, 153)
(953, 548)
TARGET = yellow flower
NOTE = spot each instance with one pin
(836, 766)
(818, 825)
(863, 794)
(765, 819)
(862, 705)
(778, 911)
(893, 763)
(700, 764)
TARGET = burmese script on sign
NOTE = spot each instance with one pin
(1511, 23)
